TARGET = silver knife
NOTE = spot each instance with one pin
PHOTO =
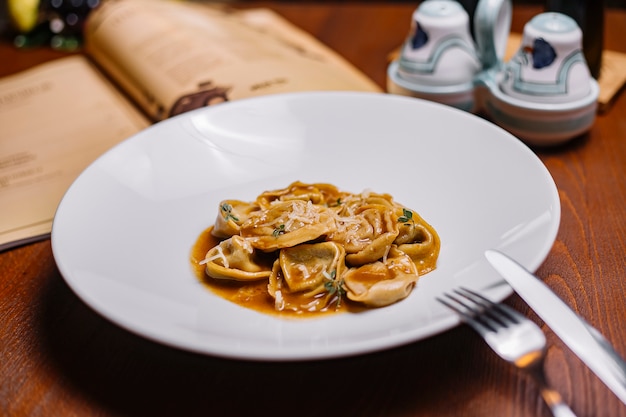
(581, 337)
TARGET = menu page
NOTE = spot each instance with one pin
(168, 57)
(171, 57)
(51, 129)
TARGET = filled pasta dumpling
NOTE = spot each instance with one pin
(304, 276)
(232, 213)
(235, 259)
(382, 282)
(286, 224)
(320, 194)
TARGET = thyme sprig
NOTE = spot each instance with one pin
(407, 217)
(334, 286)
(279, 230)
(227, 209)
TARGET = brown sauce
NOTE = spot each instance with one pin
(252, 295)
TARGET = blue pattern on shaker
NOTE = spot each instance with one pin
(543, 54)
(420, 38)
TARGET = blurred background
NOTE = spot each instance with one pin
(58, 23)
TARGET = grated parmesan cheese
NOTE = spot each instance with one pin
(218, 255)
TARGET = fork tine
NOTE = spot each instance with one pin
(467, 314)
(490, 315)
(486, 311)
(502, 309)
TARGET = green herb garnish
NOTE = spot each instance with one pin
(279, 230)
(334, 286)
(407, 216)
(227, 209)
(337, 203)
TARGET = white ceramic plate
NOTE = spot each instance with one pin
(123, 233)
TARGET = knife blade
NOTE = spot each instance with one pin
(581, 337)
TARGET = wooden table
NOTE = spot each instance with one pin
(59, 358)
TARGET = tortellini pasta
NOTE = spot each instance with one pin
(318, 247)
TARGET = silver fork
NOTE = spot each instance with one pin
(512, 336)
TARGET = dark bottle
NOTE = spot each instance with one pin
(589, 14)
(470, 8)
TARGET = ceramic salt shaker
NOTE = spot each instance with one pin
(438, 60)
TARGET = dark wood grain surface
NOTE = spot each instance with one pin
(59, 358)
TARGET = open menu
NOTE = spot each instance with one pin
(144, 61)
